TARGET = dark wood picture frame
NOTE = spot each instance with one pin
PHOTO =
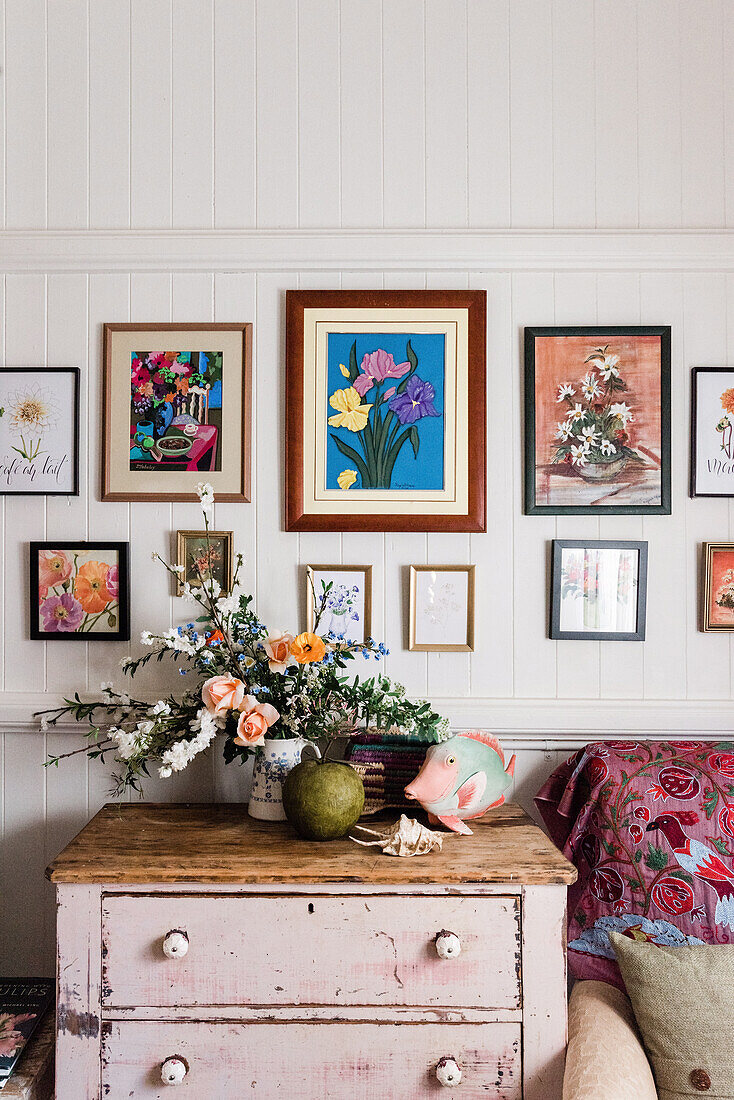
(695, 373)
(598, 331)
(243, 496)
(122, 634)
(76, 374)
(474, 302)
(555, 632)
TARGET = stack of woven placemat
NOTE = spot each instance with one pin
(387, 765)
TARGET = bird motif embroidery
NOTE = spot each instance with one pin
(698, 860)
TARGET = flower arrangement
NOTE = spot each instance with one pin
(594, 431)
(73, 596)
(381, 407)
(248, 682)
(725, 592)
(165, 377)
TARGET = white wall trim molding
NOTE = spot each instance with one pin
(270, 250)
(564, 723)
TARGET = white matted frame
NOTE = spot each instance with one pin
(441, 602)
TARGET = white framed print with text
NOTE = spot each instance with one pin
(712, 432)
(441, 608)
(39, 431)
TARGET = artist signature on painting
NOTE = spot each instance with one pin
(29, 471)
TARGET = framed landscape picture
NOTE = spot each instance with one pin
(441, 608)
(79, 591)
(39, 431)
(348, 610)
(176, 411)
(204, 555)
(598, 590)
(385, 410)
(712, 427)
(718, 586)
(597, 420)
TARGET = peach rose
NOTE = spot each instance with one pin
(278, 649)
(308, 647)
(255, 721)
(222, 693)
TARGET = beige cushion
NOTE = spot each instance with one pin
(605, 1058)
(683, 999)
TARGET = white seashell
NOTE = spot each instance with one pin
(173, 1071)
(448, 1072)
(407, 837)
(448, 944)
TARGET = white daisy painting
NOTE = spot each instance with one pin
(39, 415)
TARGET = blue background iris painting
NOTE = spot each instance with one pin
(409, 418)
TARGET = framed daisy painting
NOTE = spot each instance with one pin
(385, 410)
(39, 431)
(79, 591)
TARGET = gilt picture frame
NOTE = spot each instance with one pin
(176, 410)
(204, 555)
(717, 610)
(442, 601)
(349, 608)
(385, 410)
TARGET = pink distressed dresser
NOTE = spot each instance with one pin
(200, 950)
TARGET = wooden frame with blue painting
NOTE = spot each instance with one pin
(385, 410)
(176, 411)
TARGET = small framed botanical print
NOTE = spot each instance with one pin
(441, 608)
(597, 420)
(205, 555)
(385, 410)
(176, 411)
(39, 431)
(718, 586)
(599, 590)
(346, 594)
(79, 590)
(712, 428)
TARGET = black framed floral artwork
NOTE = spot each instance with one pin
(79, 591)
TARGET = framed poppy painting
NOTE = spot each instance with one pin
(176, 411)
(597, 421)
(80, 591)
(385, 410)
(718, 586)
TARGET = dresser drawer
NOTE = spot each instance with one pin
(340, 950)
(338, 1061)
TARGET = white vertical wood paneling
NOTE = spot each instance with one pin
(703, 72)
(68, 90)
(404, 157)
(276, 32)
(574, 138)
(728, 49)
(192, 98)
(660, 29)
(446, 114)
(25, 113)
(109, 113)
(318, 112)
(234, 113)
(360, 31)
(488, 110)
(151, 167)
(616, 112)
(531, 118)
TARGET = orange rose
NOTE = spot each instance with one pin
(222, 693)
(308, 647)
(278, 649)
(90, 586)
(255, 721)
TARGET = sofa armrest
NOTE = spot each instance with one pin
(605, 1059)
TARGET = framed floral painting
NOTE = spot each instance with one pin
(441, 608)
(385, 410)
(204, 555)
(39, 431)
(79, 590)
(598, 590)
(597, 420)
(712, 432)
(347, 592)
(718, 586)
(176, 411)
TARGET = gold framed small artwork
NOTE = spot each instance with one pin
(204, 555)
(442, 608)
(348, 608)
(718, 586)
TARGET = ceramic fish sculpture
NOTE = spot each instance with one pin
(461, 779)
(406, 837)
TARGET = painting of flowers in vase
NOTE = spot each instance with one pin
(386, 397)
(597, 420)
(79, 590)
(718, 603)
(175, 410)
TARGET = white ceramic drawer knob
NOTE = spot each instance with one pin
(448, 1072)
(173, 1071)
(448, 944)
(176, 944)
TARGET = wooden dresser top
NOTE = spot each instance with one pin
(219, 843)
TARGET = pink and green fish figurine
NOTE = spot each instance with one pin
(461, 779)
